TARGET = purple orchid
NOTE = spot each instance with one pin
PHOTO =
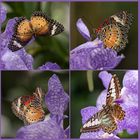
(49, 65)
(129, 103)
(57, 101)
(92, 55)
(56, 98)
(19, 60)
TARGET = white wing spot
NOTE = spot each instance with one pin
(91, 123)
(113, 90)
(97, 122)
(118, 20)
(112, 85)
(113, 94)
(17, 44)
(53, 29)
(19, 103)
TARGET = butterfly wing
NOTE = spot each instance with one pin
(38, 94)
(118, 112)
(108, 124)
(93, 124)
(29, 108)
(43, 25)
(101, 120)
(123, 19)
(113, 37)
(34, 111)
(114, 93)
(114, 33)
(55, 27)
(34, 114)
(22, 34)
(114, 90)
(18, 107)
(40, 24)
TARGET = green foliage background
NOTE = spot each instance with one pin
(16, 84)
(44, 49)
(85, 94)
(94, 13)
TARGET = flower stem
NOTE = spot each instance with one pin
(90, 80)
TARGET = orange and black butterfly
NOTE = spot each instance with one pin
(106, 119)
(114, 30)
(29, 108)
(38, 25)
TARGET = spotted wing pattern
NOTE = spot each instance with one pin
(106, 119)
(42, 24)
(114, 31)
(114, 90)
(118, 112)
(101, 120)
(22, 34)
(29, 108)
(38, 25)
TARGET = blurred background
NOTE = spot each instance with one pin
(16, 84)
(84, 93)
(94, 13)
(45, 48)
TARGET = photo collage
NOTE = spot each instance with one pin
(46, 47)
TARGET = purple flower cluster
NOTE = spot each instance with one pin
(19, 60)
(56, 101)
(129, 103)
(92, 55)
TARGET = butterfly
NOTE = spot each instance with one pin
(38, 25)
(29, 108)
(114, 30)
(106, 119)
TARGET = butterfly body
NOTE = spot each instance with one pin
(38, 25)
(29, 108)
(113, 32)
(106, 119)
